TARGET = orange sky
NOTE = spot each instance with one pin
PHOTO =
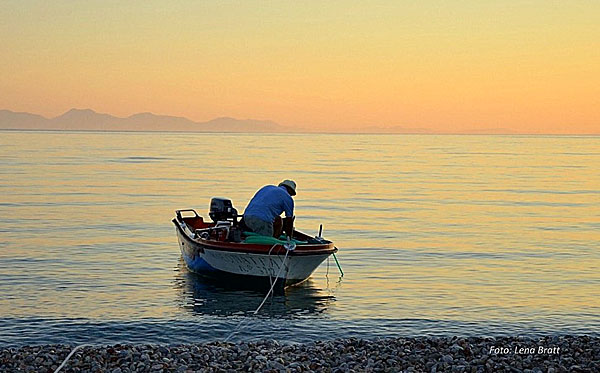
(525, 66)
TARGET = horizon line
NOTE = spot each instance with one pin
(305, 133)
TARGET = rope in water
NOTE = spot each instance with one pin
(235, 330)
(238, 326)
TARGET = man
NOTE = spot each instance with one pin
(267, 204)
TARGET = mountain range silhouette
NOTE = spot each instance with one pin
(89, 120)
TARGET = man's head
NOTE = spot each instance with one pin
(290, 186)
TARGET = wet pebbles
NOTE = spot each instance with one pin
(423, 354)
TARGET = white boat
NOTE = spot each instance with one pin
(222, 248)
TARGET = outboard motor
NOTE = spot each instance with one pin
(225, 216)
(222, 209)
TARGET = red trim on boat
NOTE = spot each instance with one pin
(309, 249)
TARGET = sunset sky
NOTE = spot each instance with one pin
(443, 66)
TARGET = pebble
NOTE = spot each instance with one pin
(447, 359)
(422, 354)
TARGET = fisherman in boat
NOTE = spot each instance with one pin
(262, 215)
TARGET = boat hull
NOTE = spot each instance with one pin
(259, 267)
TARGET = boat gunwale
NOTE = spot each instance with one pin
(251, 248)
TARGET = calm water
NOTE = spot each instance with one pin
(438, 235)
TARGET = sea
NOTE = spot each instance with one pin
(468, 235)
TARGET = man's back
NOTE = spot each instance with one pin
(270, 201)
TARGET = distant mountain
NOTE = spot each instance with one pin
(11, 120)
(86, 119)
(152, 122)
(89, 120)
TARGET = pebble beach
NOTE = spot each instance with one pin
(420, 354)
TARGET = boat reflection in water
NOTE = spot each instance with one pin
(219, 296)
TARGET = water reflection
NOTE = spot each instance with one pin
(209, 295)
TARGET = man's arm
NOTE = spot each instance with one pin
(288, 207)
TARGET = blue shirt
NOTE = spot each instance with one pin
(270, 201)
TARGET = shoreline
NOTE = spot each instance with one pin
(408, 354)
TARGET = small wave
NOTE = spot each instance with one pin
(140, 159)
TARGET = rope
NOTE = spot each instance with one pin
(338, 264)
(238, 326)
(69, 356)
